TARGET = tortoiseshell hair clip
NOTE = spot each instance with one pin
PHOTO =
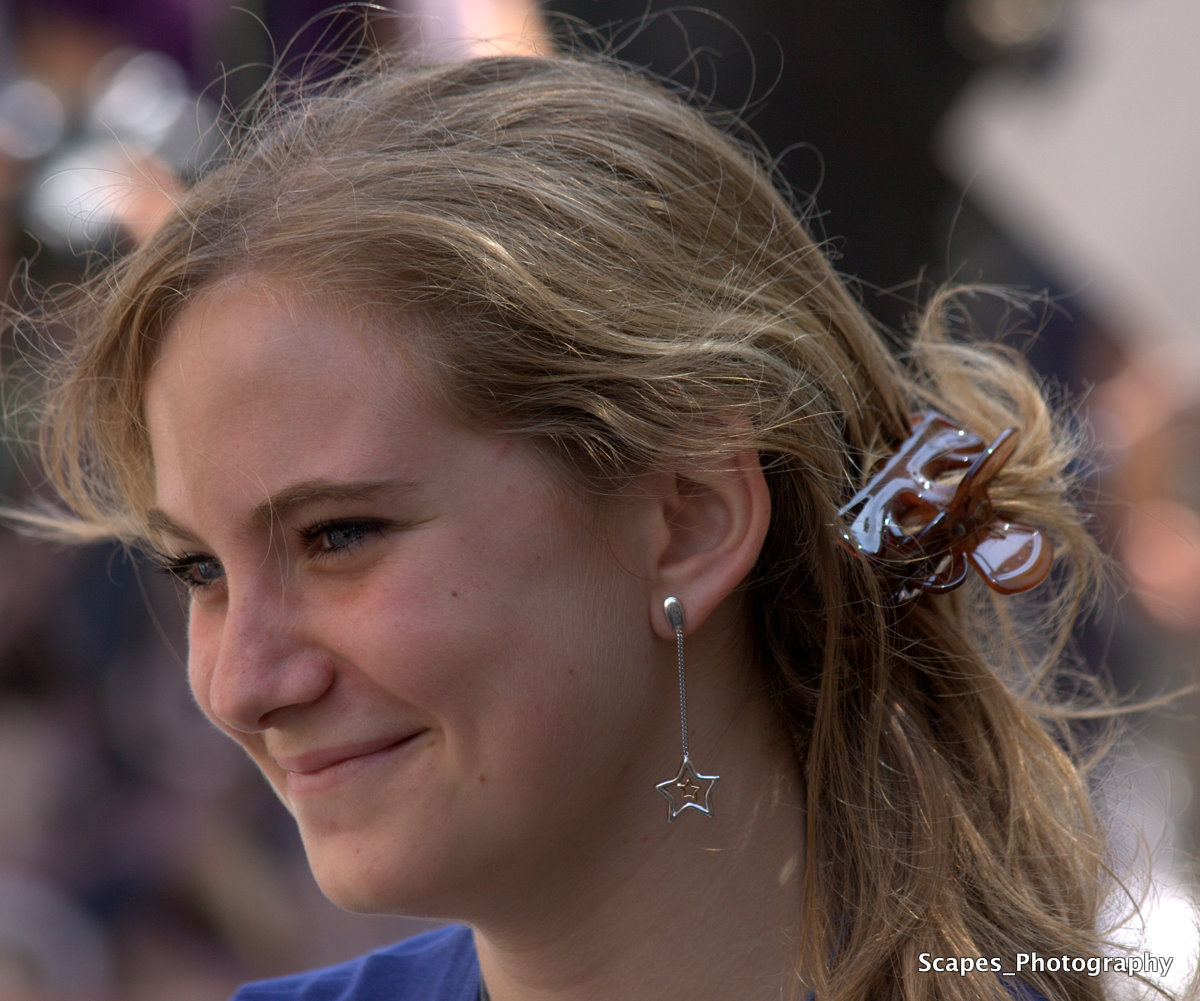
(926, 526)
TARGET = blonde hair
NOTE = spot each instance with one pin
(604, 272)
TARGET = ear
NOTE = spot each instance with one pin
(715, 518)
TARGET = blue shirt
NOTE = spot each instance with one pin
(440, 965)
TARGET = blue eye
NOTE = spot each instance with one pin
(191, 570)
(328, 539)
(207, 571)
(332, 537)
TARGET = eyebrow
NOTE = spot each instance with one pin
(289, 499)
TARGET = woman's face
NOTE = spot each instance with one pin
(438, 656)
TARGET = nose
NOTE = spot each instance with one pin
(251, 660)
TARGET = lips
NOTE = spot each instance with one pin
(328, 766)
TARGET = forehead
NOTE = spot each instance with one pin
(251, 380)
(237, 326)
(248, 346)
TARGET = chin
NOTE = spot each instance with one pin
(361, 893)
(365, 881)
(361, 899)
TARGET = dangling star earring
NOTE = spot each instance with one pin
(689, 789)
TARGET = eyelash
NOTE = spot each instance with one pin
(182, 568)
(363, 527)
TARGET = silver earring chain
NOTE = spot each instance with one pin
(688, 790)
(683, 722)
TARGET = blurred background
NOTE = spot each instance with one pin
(1048, 145)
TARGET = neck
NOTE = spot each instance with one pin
(702, 907)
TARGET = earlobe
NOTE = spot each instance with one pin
(716, 518)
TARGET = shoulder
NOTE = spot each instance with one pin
(438, 966)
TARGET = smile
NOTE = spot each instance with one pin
(322, 771)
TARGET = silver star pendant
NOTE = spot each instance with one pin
(689, 790)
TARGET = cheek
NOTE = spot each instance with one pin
(576, 686)
(530, 649)
(201, 656)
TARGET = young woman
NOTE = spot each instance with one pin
(580, 565)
